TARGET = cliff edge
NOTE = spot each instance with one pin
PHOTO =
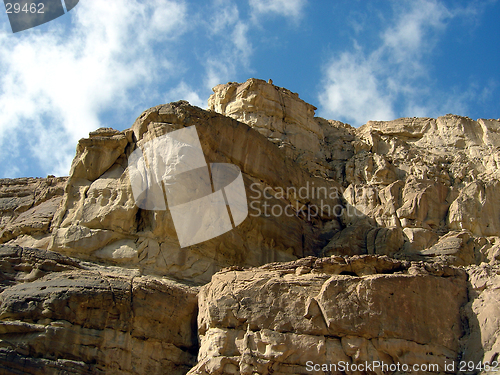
(377, 244)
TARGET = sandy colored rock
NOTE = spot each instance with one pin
(475, 208)
(396, 206)
(483, 312)
(27, 208)
(21, 265)
(460, 248)
(278, 114)
(426, 176)
(99, 219)
(276, 317)
(95, 155)
(69, 316)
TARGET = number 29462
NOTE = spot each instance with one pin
(26, 8)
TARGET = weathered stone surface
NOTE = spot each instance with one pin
(475, 208)
(483, 312)
(491, 253)
(396, 205)
(365, 239)
(99, 219)
(278, 114)
(19, 265)
(95, 155)
(71, 317)
(425, 176)
(459, 248)
(275, 318)
(27, 207)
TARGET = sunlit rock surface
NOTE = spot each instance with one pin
(373, 244)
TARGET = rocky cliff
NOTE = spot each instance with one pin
(377, 244)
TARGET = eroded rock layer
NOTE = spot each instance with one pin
(27, 207)
(433, 184)
(372, 244)
(59, 315)
(275, 318)
(99, 219)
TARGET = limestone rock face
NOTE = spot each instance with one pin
(58, 315)
(275, 318)
(418, 177)
(99, 219)
(27, 207)
(380, 243)
(483, 310)
(278, 114)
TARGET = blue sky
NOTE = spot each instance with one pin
(105, 62)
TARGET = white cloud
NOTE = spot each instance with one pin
(359, 86)
(353, 89)
(224, 15)
(241, 42)
(286, 8)
(232, 47)
(412, 35)
(56, 84)
(184, 92)
(219, 69)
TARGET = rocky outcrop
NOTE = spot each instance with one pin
(99, 219)
(59, 315)
(417, 178)
(483, 312)
(27, 207)
(373, 244)
(276, 318)
(278, 114)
